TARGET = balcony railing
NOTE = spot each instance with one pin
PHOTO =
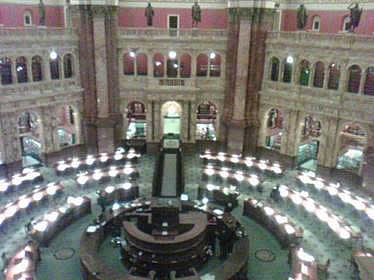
(162, 33)
(36, 32)
(340, 40)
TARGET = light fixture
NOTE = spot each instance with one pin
(212, 55)
(289, 59)
(184, 197)
(172, 54)
(158, 63)
(53, 55)
(205, 200)
(132, 54)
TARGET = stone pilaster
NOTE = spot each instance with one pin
(368, 164)
(185, 122)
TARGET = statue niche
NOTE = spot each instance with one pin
(302, 17)
(149, 13)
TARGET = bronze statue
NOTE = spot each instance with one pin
(355, 16)
(41, 13)
(149, 13)
(196, 14)
(302, 17)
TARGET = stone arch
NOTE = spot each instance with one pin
(274, 66)
(67, 131)
(171, 110)
(136, 120)
(272, 126)
(206, 121)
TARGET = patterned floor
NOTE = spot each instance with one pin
(318, 241)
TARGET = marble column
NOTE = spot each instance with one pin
(193, 116)
(149, 115)
(185, 122)
(157, 121)
(368, 163)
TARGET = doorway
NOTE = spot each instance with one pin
(307, 155)
(173, 25)
(171, 118)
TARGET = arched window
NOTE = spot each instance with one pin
(215, 65)
(158, 65)
(274, 72)
(21, 68)
(316, 23)
(354, 78)
(369, 81)
(185, 66)
(172, 67)
(27, 18)
(346, 24)
(319, 74)
(129, 63)
(54, 65)
(334, 76)
(202, 65)
(141, 64)
(287, 71)
(6, 71)
(304, 73)
(36, 68)
(274, 126)
(68, 66)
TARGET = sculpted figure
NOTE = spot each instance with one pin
(196, 14)
(41, 13)
(149, 13)
(355, 16)
(302, 17)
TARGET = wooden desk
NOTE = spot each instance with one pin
(365, 263)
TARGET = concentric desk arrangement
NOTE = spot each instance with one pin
(304, 266)
(49, 225)
(364, 259)
(233, 177)
(24, 202)
(343, 230)
(123, 192)
(220, 195)
(23, 265)
(28, 177)
(284, 229)
(228, 160)
(99, 161)
(309, 181)
(99, 175)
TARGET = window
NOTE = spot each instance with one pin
(141, 64)
(21, 68)
(215, 65)
(369, 82)
(158, 65)
(354, 78)
(129, 63)
(185, 66)
(27, 18)
(173, 24)
(319, 75)
(274, 74)
(36, 68)
(316, 23)
(202, 65)
(68, 66)
(6, 71)
(54, 65)
(346, 24)
(334, 76)
(287, 71)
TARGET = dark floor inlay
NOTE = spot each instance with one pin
(64, 253)
(264, 255)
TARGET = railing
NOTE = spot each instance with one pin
(193, 33)
(36, 31)
(340, 40)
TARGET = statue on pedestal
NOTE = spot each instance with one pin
(355, 16)
(302, 17)
(149, 13)
(41, 13)
(196, 14)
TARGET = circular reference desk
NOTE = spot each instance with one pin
(93, 267)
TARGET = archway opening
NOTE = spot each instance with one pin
(30, 139)
(206, 126)
(353, 140)
(136, 119)
(171, 118)
(68, 127)
(307, 151)
(274, 129)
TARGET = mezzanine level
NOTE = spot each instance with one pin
(37, 34)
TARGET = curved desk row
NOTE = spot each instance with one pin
(303, 266)
(20, 180)
(220, 195)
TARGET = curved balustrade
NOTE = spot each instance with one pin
(49, 225)
(90, 162)
(308, 180)
(342, 229)
(232, 177)
(98, 175)
(233, 160)
(24, 202)
(123, 192)
(284, 229)
(27, 177)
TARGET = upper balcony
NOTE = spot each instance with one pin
(340, 41)
(163, 34)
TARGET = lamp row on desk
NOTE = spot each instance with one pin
(23, 264)
(27, 175)
(334, 190)
(97, 174)
(249, 162)
(340, 227)
(305, 266)
(90, 160)
(24, 201)
(226, 173)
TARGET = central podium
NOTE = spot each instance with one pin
(165, 239)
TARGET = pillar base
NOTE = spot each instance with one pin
(236, 136)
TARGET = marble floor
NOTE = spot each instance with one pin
(318, 241)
